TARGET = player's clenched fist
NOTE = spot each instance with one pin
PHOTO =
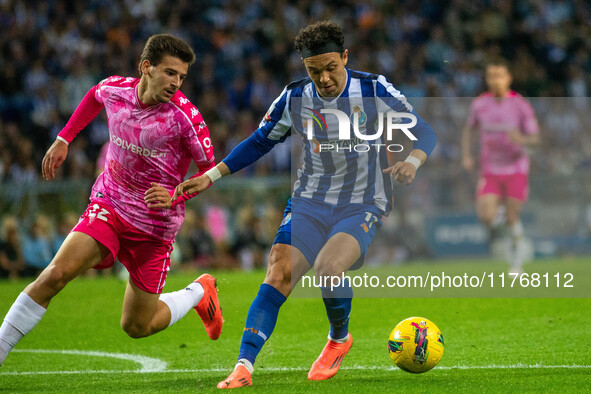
(193, 185)
(53, 159)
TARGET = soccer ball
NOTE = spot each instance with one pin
(415, 345)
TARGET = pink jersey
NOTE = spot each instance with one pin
(495, 118)
(147, 144)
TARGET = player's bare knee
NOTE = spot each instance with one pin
(486, 218)
(512, 218)
(511, 222)
(54, 278)
(329, 268)
(133, 329)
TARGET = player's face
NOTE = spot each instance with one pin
(498, 79)
(164, 79)
(328, 73)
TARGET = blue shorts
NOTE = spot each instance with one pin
(308, 225)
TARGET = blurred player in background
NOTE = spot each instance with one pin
(338, 199)
(507, 126)
(155, 133)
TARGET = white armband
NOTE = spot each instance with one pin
(62, 140)
(414, 161)
(214, 174)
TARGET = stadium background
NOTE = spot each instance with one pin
(52, 52)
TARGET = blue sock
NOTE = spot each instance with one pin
(338, 309)
(260, 321)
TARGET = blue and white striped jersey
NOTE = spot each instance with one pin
(335, 171)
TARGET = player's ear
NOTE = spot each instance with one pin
(146, 67)
(345, 56)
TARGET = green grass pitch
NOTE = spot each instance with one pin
(491, 344)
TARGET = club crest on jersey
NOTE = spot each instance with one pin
(361, 116)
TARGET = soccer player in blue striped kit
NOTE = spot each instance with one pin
(339, 196)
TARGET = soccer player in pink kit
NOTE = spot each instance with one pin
(507, 126)
(155, 133)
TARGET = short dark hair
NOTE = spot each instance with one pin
(499, 62)
(318, 35)
(160, 45)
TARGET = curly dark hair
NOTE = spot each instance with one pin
(318, 35)
(159, 45)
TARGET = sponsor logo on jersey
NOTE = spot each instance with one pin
(133, 148)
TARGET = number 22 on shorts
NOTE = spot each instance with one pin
(94, 214)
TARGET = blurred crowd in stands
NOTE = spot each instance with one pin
(53, 51)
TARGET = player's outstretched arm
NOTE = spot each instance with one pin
(467, 158)
(54, 158)
(405, 171)
(199, 184)
(86, 111)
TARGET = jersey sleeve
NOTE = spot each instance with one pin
(273, 129)
(276, 124)
(529, 122)
(92, 103)
(389, 98)
(86, 111)
(198, 142)
(472, 120)
(105, 87)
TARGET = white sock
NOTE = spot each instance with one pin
(517, 230)
(516, 252)
(246, 363)
(22, 317)
(182, 301)
(340, 340)
(500, 218)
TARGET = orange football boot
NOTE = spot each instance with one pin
(239, 378)
(328, 363)
(209, 307)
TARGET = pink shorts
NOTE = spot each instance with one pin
(147, 258)
(513, 186)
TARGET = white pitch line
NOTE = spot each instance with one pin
(148, 364)
(303, 369)
(391, 368)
